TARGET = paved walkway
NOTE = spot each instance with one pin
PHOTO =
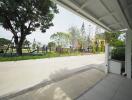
(19, 75)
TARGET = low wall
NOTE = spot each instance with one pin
(116, 66)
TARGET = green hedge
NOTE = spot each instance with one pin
(118, 53)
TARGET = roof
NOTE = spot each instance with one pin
(112, 15)
(126, 7)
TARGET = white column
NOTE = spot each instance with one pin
(106, 58)
(128, 53)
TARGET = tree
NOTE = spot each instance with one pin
(34, 45)
(22, 17)
(4, 41)
(51, 45)
(61, 39)
(75, 36)
(111, 37)
(26, 43)
(83, 32)
(83, 37)
(39, 44)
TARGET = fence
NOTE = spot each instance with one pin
(116, 59)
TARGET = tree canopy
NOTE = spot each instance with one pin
(22, 17)
(75, 36)
(111, 37)
(51, 44)
(61, 39)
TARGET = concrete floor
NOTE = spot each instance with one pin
(113, 87)
(19, 75)
(69, 88)
(91, 84)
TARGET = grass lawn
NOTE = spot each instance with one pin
(47, 55)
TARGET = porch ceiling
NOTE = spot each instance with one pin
(111, 15)
(126, 6)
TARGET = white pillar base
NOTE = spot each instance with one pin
(106, 58)
(128, 53)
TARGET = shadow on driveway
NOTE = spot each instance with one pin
(57, 76)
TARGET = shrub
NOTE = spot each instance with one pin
(118, 53)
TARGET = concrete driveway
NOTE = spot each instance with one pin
(18, 75)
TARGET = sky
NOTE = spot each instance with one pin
(62, 22)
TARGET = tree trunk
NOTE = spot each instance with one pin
(19, 50)
(18, 44)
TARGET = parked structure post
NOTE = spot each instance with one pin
(128, 54)
(106, 58)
